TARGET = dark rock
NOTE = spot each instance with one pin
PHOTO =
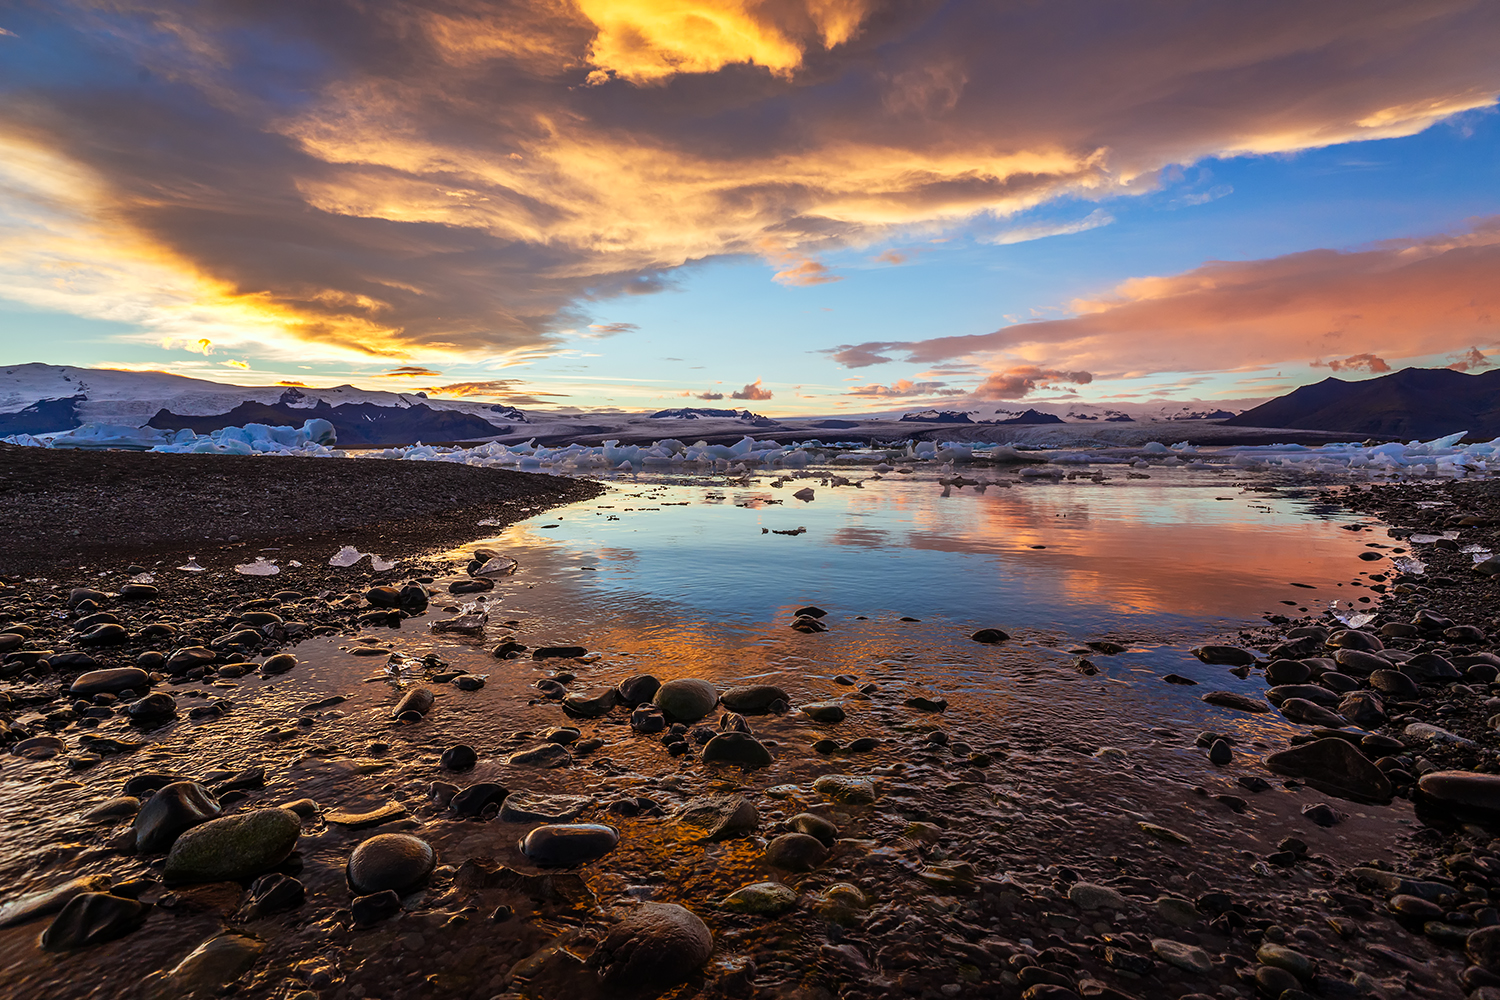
(1355, 639)
(366, 911)
(795, 852)
(273, 893)
(1311, 714)
(637, 690)
(1483, 948)
(686, 699)
(1358, 663)
(814, 826)
(558, 652)
(654, 946)
(111, 681)
(152, 710)
(1363, 708)
(1220, 753)
(711, 818)
(1394, 682)
(926, 703)
(1229, 656)
(390, 861)
(189, 658)
(1431, 667)
(1309, 692)
(1334, 767)
(755, 699)
(532, 807)
(92, 918)
(36, 905)
(278, 664)
(824, 711)
(590, 706)
(418, 700)
(563, 845)
(735, 748)
(459, 758)
(472, 801)
(546, 755)
(648, 719)
(811, 611)
(1237, 701)
(175, 808)
(1287, 672)
(990, 635)
(1465, 789)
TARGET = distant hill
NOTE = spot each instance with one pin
(1032, 417)
(1412, 403)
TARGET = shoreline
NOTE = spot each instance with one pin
(1009, 925)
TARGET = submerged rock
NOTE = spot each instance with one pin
(1335, 767)
(36, 905)
(736, 748)
(767, 899)
(753, 699)
(216, 962)
(716, 817)
(795, 852)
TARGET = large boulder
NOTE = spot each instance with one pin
(1335, 767)
(686, 699)
(231, 848)
(654, 946)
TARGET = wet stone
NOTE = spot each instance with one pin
(1088, 896)
(169, 812)
(366, 911)
(111, 681)
(532, 807)
(273, 893)
(1462, 788)
(655, 945)
(824, 711)
(390, 861)
(754, 699)
(472, 801)
(279, 664)
(590, 706)
(93, 918)
(795, 852)
(546, 755)
(215, 963)
(637, 690)
(814, 826)
(418, 700)
(686, 699)
(233, 847)
(1334, 767)
(369, 817)
(461, 757)
(36, 905)
(710, 818)
(1229, 656)
(847, 789)
(766, 899)
(152, 710)
(1235, 700)
(737, 749)
(1189, 958)
(564, 845)
(647, 719)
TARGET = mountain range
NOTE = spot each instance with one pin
(1420, 403)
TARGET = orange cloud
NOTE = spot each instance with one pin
(904, 388)
(753, 390)
(1357, 363)
(1400, 299)
(447, 182)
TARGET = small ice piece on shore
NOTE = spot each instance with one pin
(380, 565)
(143, 578)
(1478, 554)
(191, 566)
(260, 567)
(492, 522)
(345, 557)
(1351, 618)
(295, 564)
(497, 566)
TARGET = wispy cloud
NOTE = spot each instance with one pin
(411, 371)
(902, 388)
(1041, 230)
(601, 330)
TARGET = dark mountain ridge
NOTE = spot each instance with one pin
(356, 424)
(1412, 403)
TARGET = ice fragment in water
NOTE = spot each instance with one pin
(1409, 564)
(191, 566)
(260, 567)
(381, 565)
(346, 556)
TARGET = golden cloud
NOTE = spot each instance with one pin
(462, 178)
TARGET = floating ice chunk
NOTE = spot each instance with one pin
(260, 567)
(191, 566)
(1409, 564)
(497, 566)
(346, 557)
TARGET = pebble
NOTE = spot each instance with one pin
(1237, 701)
(1334, 767)
(754, 699)
(814, 826)
(36, 905)
(824, 711)
(637, 690)
(1462, 788)
(546, 755)
(417, 700)
(461, 757)
(371, 909)
(215, 963)
(533, 807)
(369, 817)
(472, 801)
(390, 861)
(846, 789)
(1187, 957)
(1088, 896)
(1220, 753)
(1229, 656)
(564, 845)
(233, 847)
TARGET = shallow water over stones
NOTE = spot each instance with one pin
(954, 760)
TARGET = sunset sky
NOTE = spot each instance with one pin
(800, 206)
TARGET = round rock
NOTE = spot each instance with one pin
(231, 848)
(111, 681)
(395, 861)
(562, 845)
(656, 945)
(738, 749)
(686, 699)
(174, 809)
(753, 699)
(795, 852)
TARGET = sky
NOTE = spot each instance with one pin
(797, 206)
